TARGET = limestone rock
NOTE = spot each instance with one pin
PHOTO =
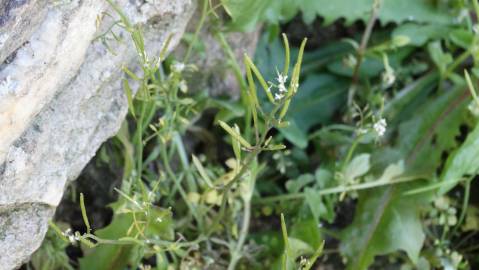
(213, 71)
(60, 98)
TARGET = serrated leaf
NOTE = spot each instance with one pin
(246, 14)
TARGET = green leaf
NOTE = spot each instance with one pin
(440, 58)
(319, 206)
(111, 257)
(106, 256)
(462, 38)
(464, 161)
(419, 34)
(295, 185)
(234, 134)
(246, 14)
(307, 231)
(384, 222)
(357, 167)
(201, 170)
(317, 99)
(421, 11)
(129, 96)
(432, 130)
(295, 135)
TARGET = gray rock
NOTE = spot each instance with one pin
(18, 20)
(60, 98)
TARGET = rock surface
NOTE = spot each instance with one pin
(60, 98)
(215, 73)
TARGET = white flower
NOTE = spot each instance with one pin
(71, 237)
(183, 86)
(380, 127)
(281, 82)
(178, 67)
(278, 96)
(282, 78)
(388, 78)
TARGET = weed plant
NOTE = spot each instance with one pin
(359, 154)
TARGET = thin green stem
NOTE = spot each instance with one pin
(339, 189)
(204, 15)
(237, 253)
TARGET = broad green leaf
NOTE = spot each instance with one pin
(421, 11)
(106, 256)
(462, 38)
(295, 135)
(111, 257)
(319, 205)
(384, 222)
(357, 167)
(307, 230)
(419, 34)
(432, 130)
(405, 103)
(464, 161)
(318, 98)
(246, 14)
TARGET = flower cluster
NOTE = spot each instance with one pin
(178, 67)
(71, 236)
(380, 127)
(281, 87)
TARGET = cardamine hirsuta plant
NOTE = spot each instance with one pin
(357, 151)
